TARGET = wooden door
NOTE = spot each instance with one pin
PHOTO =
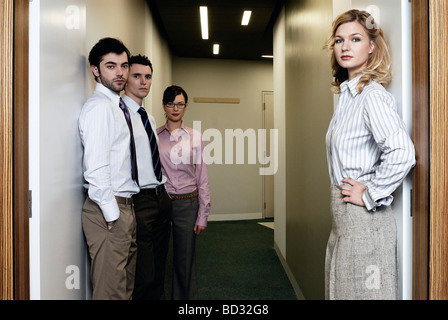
(438, 101)
(430, 133)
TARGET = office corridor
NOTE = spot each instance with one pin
(236, 260)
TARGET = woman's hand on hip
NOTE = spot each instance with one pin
(352, 192)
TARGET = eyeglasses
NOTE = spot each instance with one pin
(180, 105)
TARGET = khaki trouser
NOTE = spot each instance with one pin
(113, 252)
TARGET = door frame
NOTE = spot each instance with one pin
(265, 178)
(6, 159)
(420, 136)
(20, 149)
(14, 214)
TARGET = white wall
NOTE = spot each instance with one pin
(56, 92)
(159, 53)
(236, 189)
(61, 35)
(279, 123)
(131, 22)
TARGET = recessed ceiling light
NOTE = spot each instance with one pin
(267, 56)
(246, 18)
(216, 48)
(204, 21)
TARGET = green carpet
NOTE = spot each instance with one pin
(236, 260)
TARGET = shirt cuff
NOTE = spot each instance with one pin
(371, 205)
(368, 202)
(202, 219)
(110, 210)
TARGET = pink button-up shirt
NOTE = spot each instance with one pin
(181, 154)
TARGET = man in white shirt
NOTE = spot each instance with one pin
(108, 218)
(152, 204)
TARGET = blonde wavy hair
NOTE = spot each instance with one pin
(378, 65)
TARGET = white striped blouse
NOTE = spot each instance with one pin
(367, 141)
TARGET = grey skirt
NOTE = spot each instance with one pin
(361, 255)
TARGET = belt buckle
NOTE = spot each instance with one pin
(159, 189)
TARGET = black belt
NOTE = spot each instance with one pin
(157, 190)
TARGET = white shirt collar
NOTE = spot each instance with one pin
(351, 86)
(131, 104)
(113, 96)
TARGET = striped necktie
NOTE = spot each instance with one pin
(153, 144)
(127, 116)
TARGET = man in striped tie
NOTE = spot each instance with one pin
(152, 204)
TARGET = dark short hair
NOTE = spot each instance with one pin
(172, 92)
(139, 59)
(106, 46)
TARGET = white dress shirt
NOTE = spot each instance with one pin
(146, 176)
(368, 142)
(106, 140)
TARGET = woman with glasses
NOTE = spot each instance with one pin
(181, 150)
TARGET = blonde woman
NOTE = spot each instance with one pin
(369, 154)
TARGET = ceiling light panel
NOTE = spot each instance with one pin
(204, 21)
(246, 18)
(216, 49)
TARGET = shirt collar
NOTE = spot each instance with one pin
(351, 86)
(113, 96)
(131, 104)
(165, 127)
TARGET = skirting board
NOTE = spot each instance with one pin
(235, 216)
(291, 278)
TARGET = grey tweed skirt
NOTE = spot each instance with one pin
(361, 254)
